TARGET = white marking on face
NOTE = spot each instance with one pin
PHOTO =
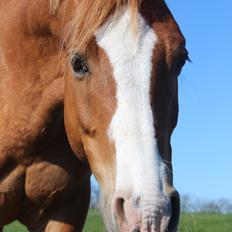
(138, 163)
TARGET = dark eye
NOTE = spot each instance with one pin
(79, 66)
(180, 61)
(179, 65)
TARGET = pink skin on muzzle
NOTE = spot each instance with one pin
(134, 213)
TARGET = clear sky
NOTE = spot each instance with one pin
(202, 142)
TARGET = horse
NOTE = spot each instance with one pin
(121, 107)
(42, 183)
(114, 64)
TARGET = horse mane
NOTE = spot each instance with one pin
(89, 16)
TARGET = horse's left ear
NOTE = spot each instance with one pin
(79, 66)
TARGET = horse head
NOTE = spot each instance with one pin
(121, 106)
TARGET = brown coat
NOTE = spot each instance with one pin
(42, 183)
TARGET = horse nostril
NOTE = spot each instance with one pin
(127, 211)
(175, 203)
(120, 211)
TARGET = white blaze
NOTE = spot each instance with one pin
(138, 164)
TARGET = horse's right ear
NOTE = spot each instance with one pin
(79, 66)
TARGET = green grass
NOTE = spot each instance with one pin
(15, 227)
(94, 222)
(196, 222)
(205, 222)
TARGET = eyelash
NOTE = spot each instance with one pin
(180, 62)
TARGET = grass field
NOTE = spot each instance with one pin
(197, 222)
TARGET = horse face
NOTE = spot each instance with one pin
(121, 106)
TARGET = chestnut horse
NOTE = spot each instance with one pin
(120, 108)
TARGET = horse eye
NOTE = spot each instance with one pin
(180, 62)
(179, 65)
(79, 66)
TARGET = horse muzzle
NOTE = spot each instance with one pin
(136, 213)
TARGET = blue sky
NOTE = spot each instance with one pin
(202, 141)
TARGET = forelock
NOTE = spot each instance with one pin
(89, 16)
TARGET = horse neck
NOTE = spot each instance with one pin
(32, 67)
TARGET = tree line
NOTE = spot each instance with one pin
(189, 204)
